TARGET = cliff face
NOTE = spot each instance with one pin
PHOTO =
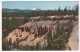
(31, 33)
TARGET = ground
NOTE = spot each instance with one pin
(74, 38)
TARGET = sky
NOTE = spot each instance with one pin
(38, 4)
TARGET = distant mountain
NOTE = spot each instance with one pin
(37, 9)
(19, 10)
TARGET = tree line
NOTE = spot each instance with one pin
(59, 11)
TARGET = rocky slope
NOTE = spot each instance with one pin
(74, 38)
(32, 33)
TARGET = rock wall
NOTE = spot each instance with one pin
(31, 33)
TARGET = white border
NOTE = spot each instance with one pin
(32, 0)
(0, 26)
(39, 0)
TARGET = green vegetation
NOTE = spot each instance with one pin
(9, 25)
(44, 13)
(6, 45)
(57, 42)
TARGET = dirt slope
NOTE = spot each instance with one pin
(74, 38)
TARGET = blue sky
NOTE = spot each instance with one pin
(38, 4)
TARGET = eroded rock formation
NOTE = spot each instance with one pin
(32, 33)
